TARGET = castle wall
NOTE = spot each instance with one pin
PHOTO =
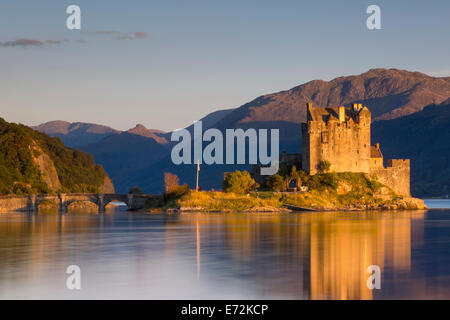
(376, 163)
(396, 176)
(345, 145)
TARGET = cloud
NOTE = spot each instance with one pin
(132, 36)
(124, 37)
(24, 42)
(141, 35)
(53, 41)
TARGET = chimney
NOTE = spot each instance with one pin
(341, 114)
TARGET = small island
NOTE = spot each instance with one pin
(340, 170)
(325, 192)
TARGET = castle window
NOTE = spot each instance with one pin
(324, 137)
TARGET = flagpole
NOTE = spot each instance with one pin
(198, 169)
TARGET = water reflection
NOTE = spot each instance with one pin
(293, 256)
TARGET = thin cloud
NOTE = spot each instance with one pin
(124, 37)
(132, 36)
(141, 35)
(53, 41)
(24, 42)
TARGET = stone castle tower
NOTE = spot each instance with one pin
(341, 136)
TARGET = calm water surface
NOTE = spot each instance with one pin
(226, 256)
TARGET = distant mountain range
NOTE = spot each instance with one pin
(140, 156)
(77, 133)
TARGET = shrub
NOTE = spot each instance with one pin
(176, 192)
(239, 182)
(276, 183)
(324, 166)
(135, 190)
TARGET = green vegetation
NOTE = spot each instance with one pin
(327, 191)
(19, 174)
(324, 166)
(239, 182)
(282, 180)
(169, 199)
(135, 190)
(276, 183)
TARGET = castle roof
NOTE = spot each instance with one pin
(375, 152)
(332, 113)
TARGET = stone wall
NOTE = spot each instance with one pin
(396, 176)
(14, 203)
(346, 146)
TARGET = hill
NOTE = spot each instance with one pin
(390, 93)
(77, 133)
(424, 138)
(32, 162)
(154, 134)
(123, 153)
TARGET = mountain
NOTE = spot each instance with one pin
(141, 130)
(32, 162)
(211, 119)
(77, 133)
(123, 153)
(390, 93)
(423, 137)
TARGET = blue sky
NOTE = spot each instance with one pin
(195, 57)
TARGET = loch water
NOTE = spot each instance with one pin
(314, 255)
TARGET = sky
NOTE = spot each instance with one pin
(168, 63)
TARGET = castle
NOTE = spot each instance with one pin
(341, 137)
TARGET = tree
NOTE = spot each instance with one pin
(276, 183)
(293, 175)
(135, 190)
(171, 181)
(239, 182)
(324, 166)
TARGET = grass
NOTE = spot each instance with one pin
(229, 202)
(326, 191)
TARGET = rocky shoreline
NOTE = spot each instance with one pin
(409, 203)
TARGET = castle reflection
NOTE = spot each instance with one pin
(327, 252)
(273, 256)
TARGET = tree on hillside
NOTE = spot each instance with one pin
(239, 182)
(171, 181)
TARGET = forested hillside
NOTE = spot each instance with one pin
(32, 162)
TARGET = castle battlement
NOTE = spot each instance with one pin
(398, 163)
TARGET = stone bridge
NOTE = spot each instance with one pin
(31, 202)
